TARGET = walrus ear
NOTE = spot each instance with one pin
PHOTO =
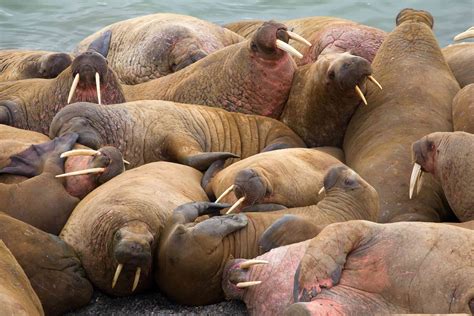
(102, 43)
(30, 162)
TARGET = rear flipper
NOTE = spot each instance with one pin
(10, 114)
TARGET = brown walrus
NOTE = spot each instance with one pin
(155, 45)
(31, 104)
(463, 109)
(252, 77)
(191, 256)
(449, 157)
(26, 64)
(52, 267)
(116, 229)
(460, 58)
(197, 136)
(378, 138)
(17, 297)
(359, 267)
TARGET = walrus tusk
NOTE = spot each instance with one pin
(298, 38)
(242, 285)
(361, 95)
(117, 274)
(97, 85)
(73, 88)
(288, 48)
(466, 34)
(371, 78)
(81, 172)
(415, 177)
(323, 190)
(236, 204)
(247, 264)
(227, 191)
(137, 278)
(80, 152)
(125, 162)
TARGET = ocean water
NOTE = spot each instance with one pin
(59, 25)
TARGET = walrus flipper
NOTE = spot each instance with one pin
(7, 112)
(220, 226)
(187, 213)
(102, 43)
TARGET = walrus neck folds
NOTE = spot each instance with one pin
(343, 204)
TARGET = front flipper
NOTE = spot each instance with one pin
(220, 226)
(10, 113)
(270, 207)
(102, 43)
(187, 213)
(287, 230)
(33, 160)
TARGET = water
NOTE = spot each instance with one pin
(59, 25)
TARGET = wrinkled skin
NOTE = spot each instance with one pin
(460, 58)
(121, 222)
(31, 104)
(252, 77)
(366, 268)
(379, 136)
(23, 64)
(147, 131)
(463, 110)
(324, 33)
(449, 158)
(194, 254)
(17, 297)
(289, 177)
(156, 45)
(52, 267)
(323, 98)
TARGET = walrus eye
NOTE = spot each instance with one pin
(254, 47)
(332, 75)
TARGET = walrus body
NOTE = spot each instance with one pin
(463, 109)
(378, 138)
(52, 267)
(153, 46)
(460, 58)
(24, 64)
(17, 297)
(147, 131)
(360, 267)
(120, 223)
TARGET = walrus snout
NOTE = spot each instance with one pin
(236, 277)
(423, 152)
(53, 64)
(350, 71)
(87, 65)
(250, 185)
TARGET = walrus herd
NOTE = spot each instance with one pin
(314, 166)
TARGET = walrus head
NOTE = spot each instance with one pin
(48, 66)
(413, 15)
(252, 186)
(236, 277)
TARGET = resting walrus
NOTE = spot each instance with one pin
(155, 45)
(52, 267)
(17, 297)
(26, 64)
(460, 58)
(378, 138)
(463, 109)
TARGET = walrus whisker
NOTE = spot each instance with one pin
(247, 264)
(73, 88)
(371, 78)
(227, 191)
(97, 85)
(361, 95)
(298, 38)
(242, 285)
(117, 274)
(236, 204)
(415, 177)
(137, 279)
(288, 48)
(80, 152)
(81, 172)
(466, 34)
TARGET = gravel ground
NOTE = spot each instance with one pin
(154, 304)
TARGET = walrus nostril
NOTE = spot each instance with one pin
(133, 253)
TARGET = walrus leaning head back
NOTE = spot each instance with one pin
(267, 40)
(413, 15)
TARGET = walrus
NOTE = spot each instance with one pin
(40, 197)
(463, 109)
(17, 297)
(197, 136)
(378, 139)
(155, 45)
(449, 158)
(26, 64)
(52, 267)
(252, 77)
(359, 267)
(460, 58)
(116, 229)
(31, 104)
(192, 255)
(288, 177)
(324, 33)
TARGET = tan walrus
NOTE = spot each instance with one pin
(378, 138)
(463, 109)
(460, 58)
(17, 297)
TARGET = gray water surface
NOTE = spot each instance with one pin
(59, 25)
